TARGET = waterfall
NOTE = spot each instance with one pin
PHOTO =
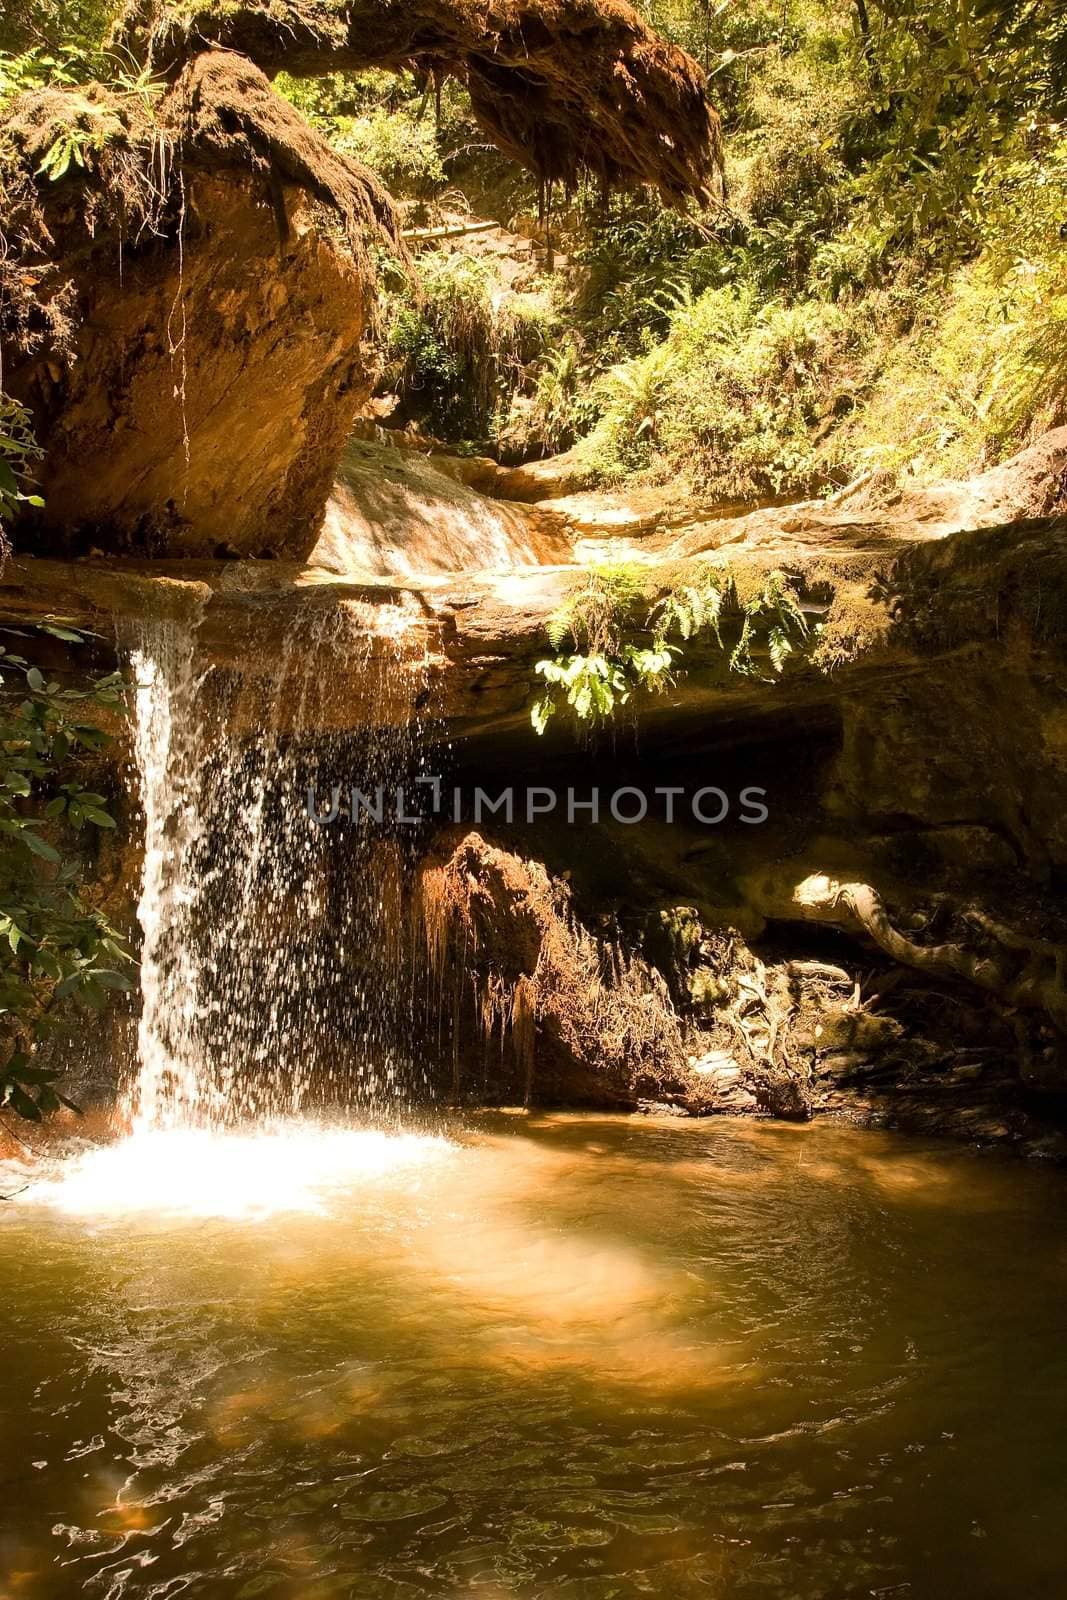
(272, 970)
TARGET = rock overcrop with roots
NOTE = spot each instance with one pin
(561, 86)
(183, 309)
(567, 1016)
(186, 266)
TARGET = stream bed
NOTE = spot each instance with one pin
(584, 1356)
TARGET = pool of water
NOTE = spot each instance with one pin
(580, 1356)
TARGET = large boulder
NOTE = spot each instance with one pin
(183, 318)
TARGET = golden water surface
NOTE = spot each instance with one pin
(574, 1356)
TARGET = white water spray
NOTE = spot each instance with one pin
(270, 979)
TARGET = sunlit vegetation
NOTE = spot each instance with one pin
(612, 639)
(457, 356)
(58, 952)
(883, 289)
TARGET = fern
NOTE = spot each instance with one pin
(780, 646)
(558, 628)
(692, 608)
(604, 670)
(772, 616)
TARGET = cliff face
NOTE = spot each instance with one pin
(888, 945)
(183, 311)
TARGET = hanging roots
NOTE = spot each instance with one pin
(598, 1020)
(560, 86)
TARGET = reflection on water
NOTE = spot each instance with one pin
(575, 1356)
(194, 1172)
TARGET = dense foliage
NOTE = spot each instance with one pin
(57, 951)
(883, 290)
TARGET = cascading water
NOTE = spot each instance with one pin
(270, 974)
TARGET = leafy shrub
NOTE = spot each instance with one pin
(36, 68)
(458, 355)
(56, 950)
(954, 89)
(985, 367)
(56, 27)
(617, 651)
(734, 395)
(637, 264)
(559, 410)
(18, 450)
(604, 668)
(400, 147)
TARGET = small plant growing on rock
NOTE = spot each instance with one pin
(18, 448)
(606, 668)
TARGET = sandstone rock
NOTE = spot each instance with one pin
(184, 320)
(395, 513)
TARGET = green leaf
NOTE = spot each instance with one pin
(69, 634)
(113, 980)
(40, 847)
(101, 818)
(540, 713)
(47, 963)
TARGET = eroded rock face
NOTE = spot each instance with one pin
(570, 1018)
(183, 317)
(212, 387)
(396, 513)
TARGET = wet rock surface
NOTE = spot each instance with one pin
(888, 948)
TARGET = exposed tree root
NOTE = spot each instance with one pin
(559, 85)
(1017, 969)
